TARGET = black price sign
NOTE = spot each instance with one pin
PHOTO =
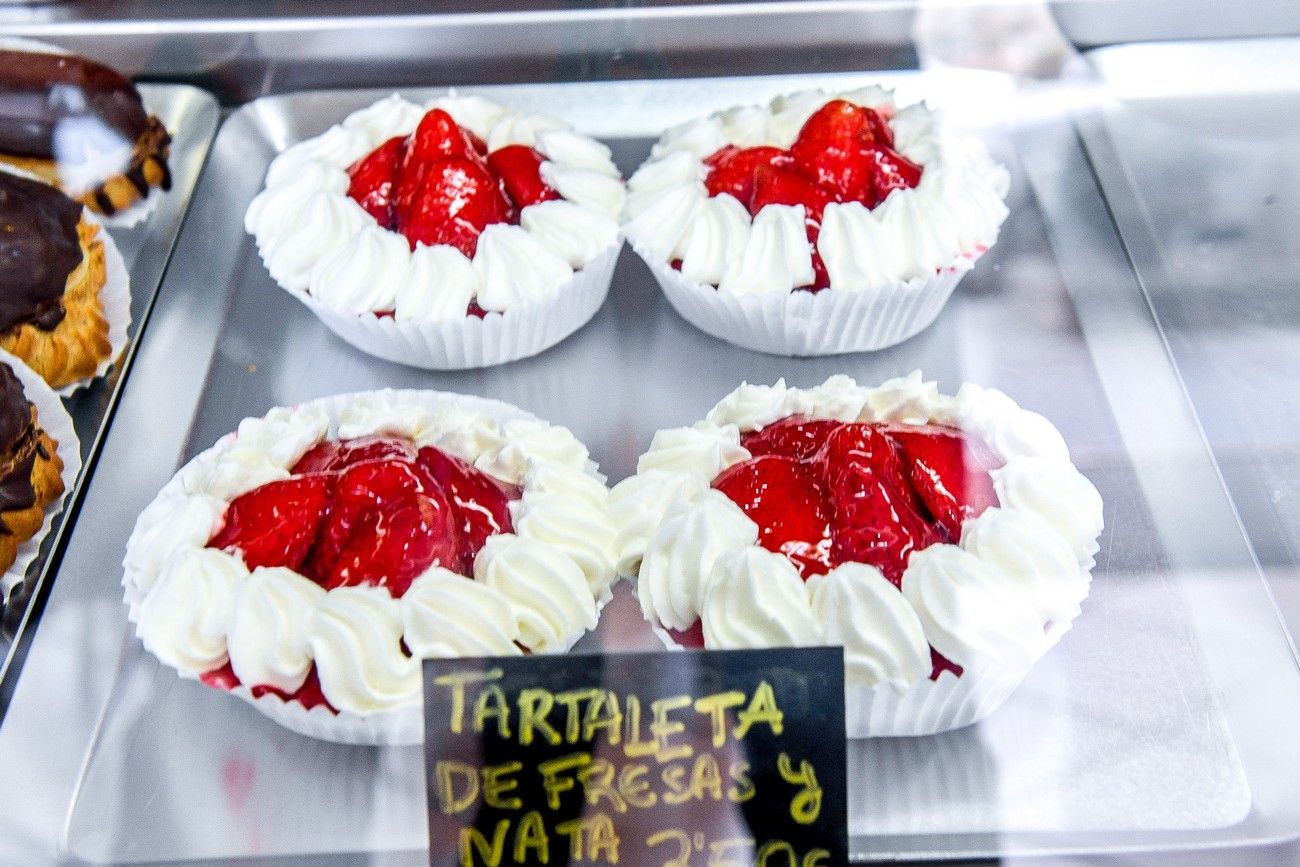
(709, 759)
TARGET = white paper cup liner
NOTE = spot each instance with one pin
(926, 707)
(399, 727)
(829, 322)
(470, 342)
(56, 422)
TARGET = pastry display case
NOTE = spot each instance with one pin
(1053, 308)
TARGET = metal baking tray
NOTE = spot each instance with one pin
(1157, 723)
(191, 115)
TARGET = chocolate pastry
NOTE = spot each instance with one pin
(51, 270)
(81, 126)
(30, 468)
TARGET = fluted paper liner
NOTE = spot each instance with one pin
(927, 706)
(468, 341)
(399, 727)
(55, 421)
(800, 323)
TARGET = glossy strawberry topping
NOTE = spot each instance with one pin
(843, 153)
(826, 492)
(368, 511)
(373, 511)
(440, 185)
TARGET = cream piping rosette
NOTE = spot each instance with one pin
(537, 589)
(891, 268)
(993, 604)
(538, 281)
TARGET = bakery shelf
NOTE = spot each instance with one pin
(1167, 719)
(191, 115)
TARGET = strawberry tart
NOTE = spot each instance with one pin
(310, 560)
(946, 542)
(452, 235)
(817, 224)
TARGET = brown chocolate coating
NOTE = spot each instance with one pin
(41, 93)
(38, 250)
(19, 445)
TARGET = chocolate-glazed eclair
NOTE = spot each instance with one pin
(81, 126)
(30, 468)
(51, 271)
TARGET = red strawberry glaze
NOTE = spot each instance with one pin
(276, 524)
(309, 695)
(843, 153)
(372, 511)
(370, 180)
(441, 185)
(785, 498)
(519, 169)
(825, 492)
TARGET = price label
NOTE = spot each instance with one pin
(706, 759)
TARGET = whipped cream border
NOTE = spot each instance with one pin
(569, 558)
(1033, 553)
(314, 239)
(943, 224)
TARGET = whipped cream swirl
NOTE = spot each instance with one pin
(949, 219)
(315, 240)
(1000, 598)
(536, 590)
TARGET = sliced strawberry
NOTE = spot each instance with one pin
(318, 459)
(779, 185)
(875, 516)
(363, 492)
(399, 544)
(831, 146)
(519, 169)
(436, 136)
(476, 144)
(878, 121)
(731, 169)
(371, 180)
(783, 496)
(330, 455)
(794, 437)
(275, 524)
(891, 171)
(949, 470)
(457, 200)
(481, 504)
